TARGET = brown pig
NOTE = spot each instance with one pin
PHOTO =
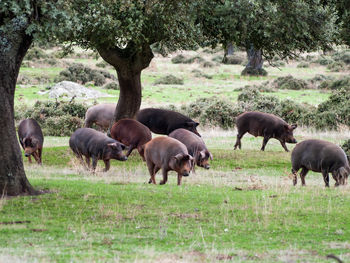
(31, 138)
(100, 114)
(131, 133)
(96, 145)
(195, 146)
(167, 154)
(265, 125)
(322, 157)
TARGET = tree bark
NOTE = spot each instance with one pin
(128, 63)
(13, 180)
(255, 63)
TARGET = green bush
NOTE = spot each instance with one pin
(207, 64)
(337, 66)
(168, 80)
(101, 64)
(346, 148)
(343, 56)
(289, 82)
(55, 118)
(324, 61)
(338, 84)
(79, 73)
(248, 71)
(112, 85)
(35, 53)
(212, 112)
(235, 59)
(181, 59)
(303, 65)
(199, 74)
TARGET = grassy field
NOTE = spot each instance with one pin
(244, 209)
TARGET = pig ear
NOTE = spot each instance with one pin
(192, 124)
(202, 153)
(112, 145)
(196, 124)
(187, 157)
(210, 156)
(123, 146)
(178, 157)
(294, 126)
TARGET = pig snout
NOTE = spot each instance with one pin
(207, 166)
(186, 174)
(123, 158)
(26, 154)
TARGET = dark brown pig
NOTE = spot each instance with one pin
(195, 146)
(265, 125)
(131, 133)
(167, 154)
(31, 138)
(165, 121)
(96, 145)
(322, 157)
(100, 114)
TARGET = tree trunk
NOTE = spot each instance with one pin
(255, 63)
(13, 180)
(129, 63)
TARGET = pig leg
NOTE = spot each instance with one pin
(337, 178)
(30, 159)
(131, 148)
(87, 160)
(107, 164)
(284, 146)
(179, 177)
(40, 151)
(295, 176)
(94, 162)
(266, 139)
(36, 157)
(165, 177)
(151, 168)
(238, 141)
(325, 178)
(303, 173)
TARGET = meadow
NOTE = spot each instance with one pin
(244, 209)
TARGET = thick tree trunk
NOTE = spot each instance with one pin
(13, 180)
(129, 63)
(255, 63)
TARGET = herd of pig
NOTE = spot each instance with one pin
(183, 148)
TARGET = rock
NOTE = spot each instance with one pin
(70, 89)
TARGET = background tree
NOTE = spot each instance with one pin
(267, 28)
(20, 22)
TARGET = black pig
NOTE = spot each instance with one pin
(91, 143)
(322, 157)
(165, 121)
(265, 125)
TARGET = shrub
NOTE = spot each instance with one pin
(324, 61)
(289, 82)
(207, 64)
(168, 80)
(343, 56)
(82, 74)
(101, 64)
(35, 53)
(337, 66)
(248, 71)
(111, 85)
(278, 63)
(235, 59)
(195, 59)
(217, 59)
(179, 59)
(338, 84)
(55, 118)
(346, 148)
(199, 74)
(212, 112)
(303, 65)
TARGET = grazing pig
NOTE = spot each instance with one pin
(96, 145)
(265, 125)
(165, 121)
(322, 157)
(167, 154)
(31, 138)
(100, 114)
(131, 133)
(195, 146)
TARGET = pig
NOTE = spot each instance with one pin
(131, 133)
(195, 146)
(165, 121)
(167, 154)
(322, 157)
(31, 139)
(96, 145)
(265, 125)
(100, 114)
